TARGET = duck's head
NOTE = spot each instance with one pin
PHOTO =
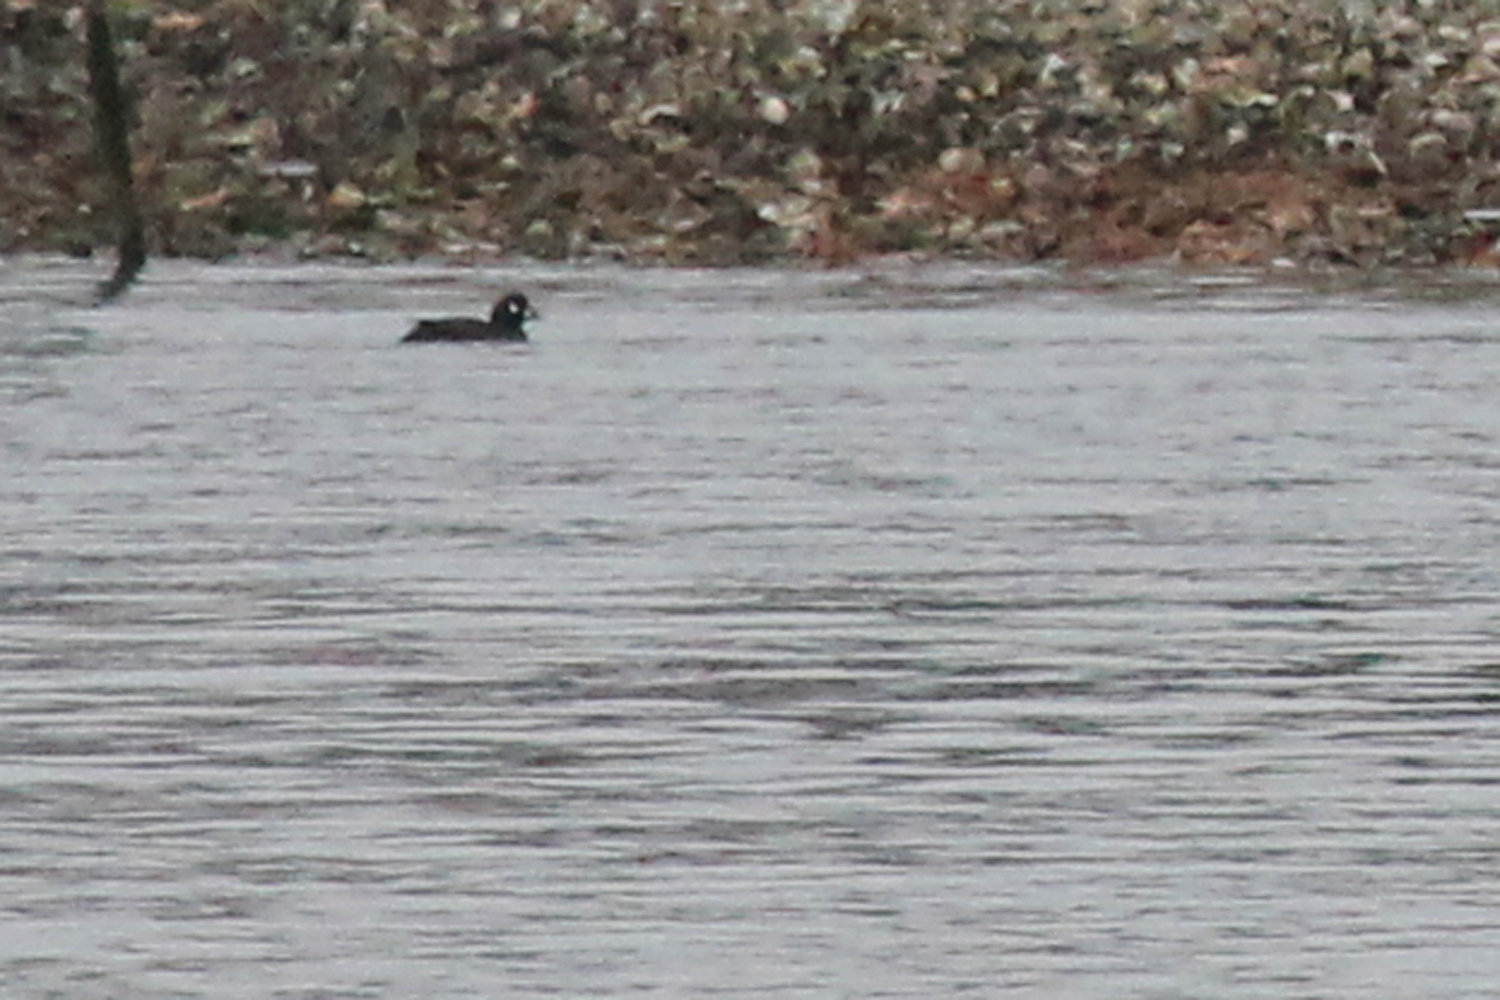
(513, 311)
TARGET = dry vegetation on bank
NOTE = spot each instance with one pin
(697, 131)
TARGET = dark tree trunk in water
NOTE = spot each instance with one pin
(112, 128)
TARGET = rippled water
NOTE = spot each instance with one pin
(920, 633)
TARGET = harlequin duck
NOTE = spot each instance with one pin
(507, 322)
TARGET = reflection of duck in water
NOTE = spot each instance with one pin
(507, 322)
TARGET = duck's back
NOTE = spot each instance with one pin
(456, 329)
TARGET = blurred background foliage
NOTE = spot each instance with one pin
(695, 131)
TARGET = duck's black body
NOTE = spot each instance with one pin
(507, 322)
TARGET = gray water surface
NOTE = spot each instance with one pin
(918, 632)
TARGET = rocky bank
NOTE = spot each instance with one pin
(687, 131)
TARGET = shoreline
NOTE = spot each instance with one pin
(1252, 133)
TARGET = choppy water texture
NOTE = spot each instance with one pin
(911, 633)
